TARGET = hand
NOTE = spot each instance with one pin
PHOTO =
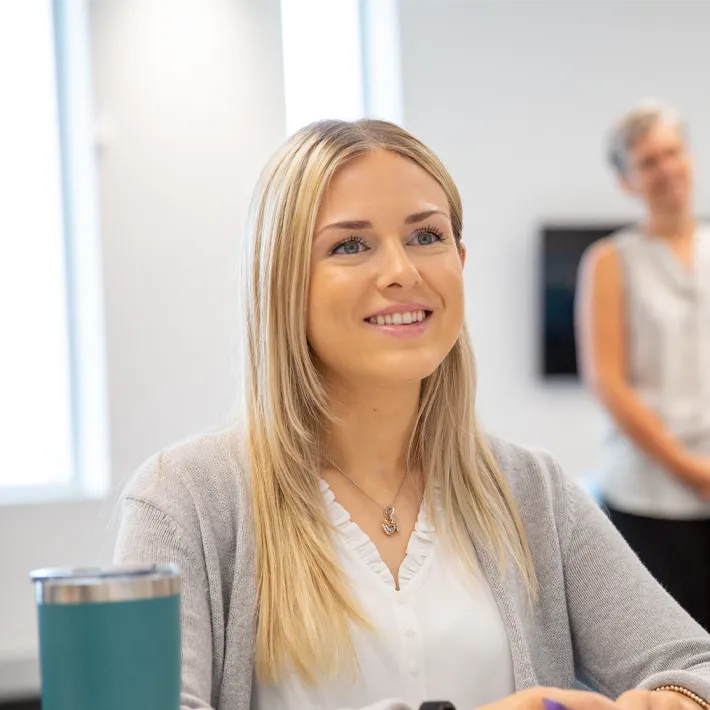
(661, 700)
(532, 699)
(699, 472)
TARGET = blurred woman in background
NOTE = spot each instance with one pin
(643, 333)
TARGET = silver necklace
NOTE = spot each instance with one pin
(390, 525)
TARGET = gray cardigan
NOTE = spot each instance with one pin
(600, 616)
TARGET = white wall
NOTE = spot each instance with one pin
(515, 98)
(189, 97)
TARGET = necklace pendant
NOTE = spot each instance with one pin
(390, 526)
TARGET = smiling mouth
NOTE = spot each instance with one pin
(400, 319)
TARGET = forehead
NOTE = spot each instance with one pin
(380, 181)
(658, 136)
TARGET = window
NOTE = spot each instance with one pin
(49, 264)
(341, 60)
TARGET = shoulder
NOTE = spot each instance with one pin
(607, 249)
(526, 469)
(204, 477)
(542, 490)
(631, 234)
(602, 266)
(604, 252)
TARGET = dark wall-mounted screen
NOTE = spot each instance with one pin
(562, 249)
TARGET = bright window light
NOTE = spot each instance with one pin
(341, 60)
(35, 394)
(322, 54)
(53, 409)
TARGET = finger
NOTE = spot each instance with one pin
(635, 700)
(575, 700)
(553, 705)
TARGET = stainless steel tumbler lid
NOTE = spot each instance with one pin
(77, 585)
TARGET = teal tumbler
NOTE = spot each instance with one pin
(109, 638)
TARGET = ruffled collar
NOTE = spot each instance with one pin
(420, 545)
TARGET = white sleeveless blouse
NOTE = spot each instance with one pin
(440, 637)
(668, 336)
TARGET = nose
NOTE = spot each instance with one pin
(668, 166)
(396, 268)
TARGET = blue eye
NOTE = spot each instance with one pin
(427, 236)
(352, 245)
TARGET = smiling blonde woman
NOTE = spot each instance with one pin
(360, 542)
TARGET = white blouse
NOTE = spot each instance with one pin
(440, 637)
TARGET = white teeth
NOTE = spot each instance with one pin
(398, 318)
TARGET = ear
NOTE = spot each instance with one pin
(462, 253)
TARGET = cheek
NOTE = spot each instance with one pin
(330, 303)
(327, 292)
(448, 281)
(317, 307)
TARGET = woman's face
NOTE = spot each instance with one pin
(386, 292)
(660, 169)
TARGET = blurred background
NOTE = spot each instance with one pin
(131, 133)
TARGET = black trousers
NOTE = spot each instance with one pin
(676, 552)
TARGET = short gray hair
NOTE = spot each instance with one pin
(633, 125)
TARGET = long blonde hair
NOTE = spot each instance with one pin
(304, 607)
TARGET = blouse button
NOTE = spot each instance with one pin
(413, 670)
(409, 632)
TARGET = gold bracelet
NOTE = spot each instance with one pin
(688, 694)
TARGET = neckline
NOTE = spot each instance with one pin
(357, 541)
(684, 277)
(665, 246)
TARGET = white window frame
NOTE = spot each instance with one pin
(341, 60)
(90, 441)
(381, 59)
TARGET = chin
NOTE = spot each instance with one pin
(674, 204)
(674, 200)
(403, 369)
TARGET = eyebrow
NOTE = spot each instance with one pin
(356, 224)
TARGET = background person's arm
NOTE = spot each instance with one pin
(602, 353)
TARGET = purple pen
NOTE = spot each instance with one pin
(553, 704)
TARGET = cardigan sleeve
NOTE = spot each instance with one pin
(148, 535)
(627, 631)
